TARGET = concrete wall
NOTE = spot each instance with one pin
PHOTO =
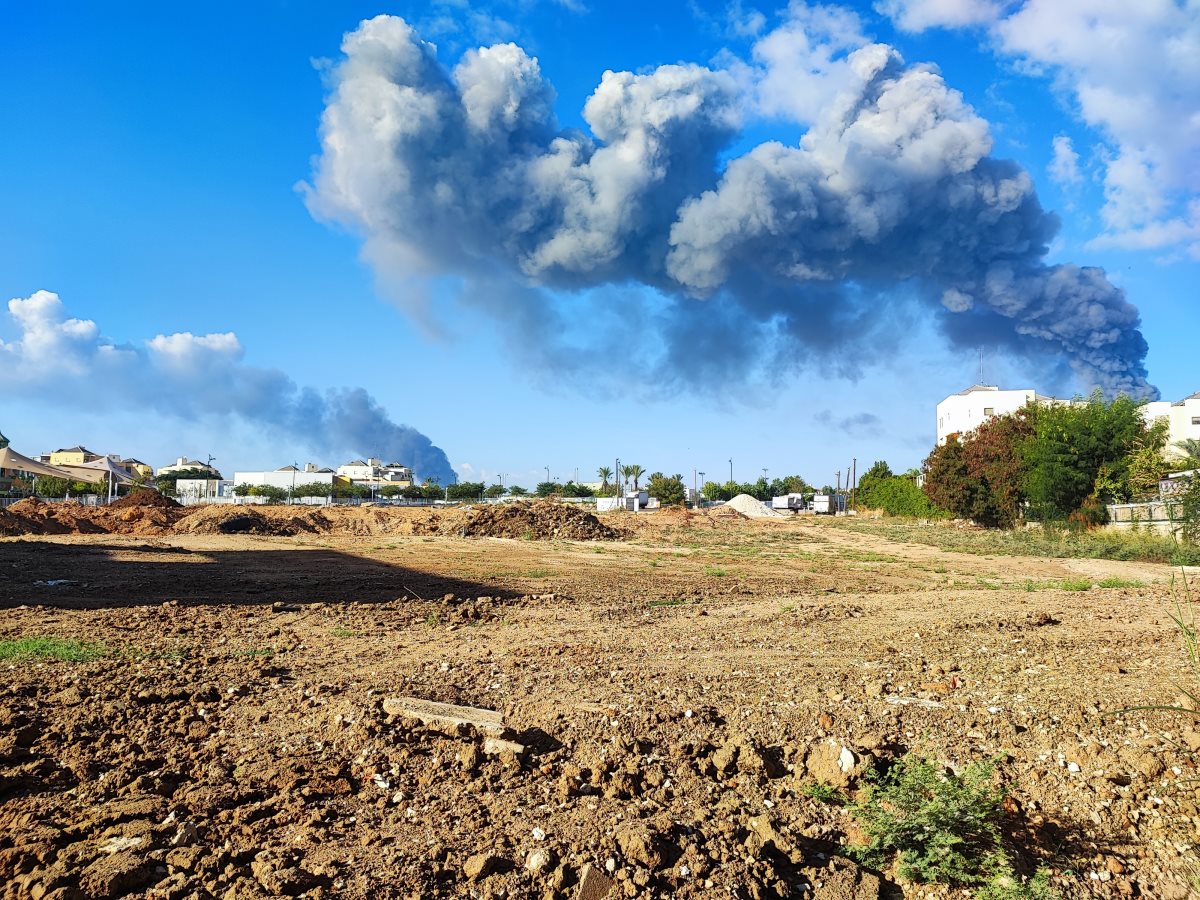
(1157, 517)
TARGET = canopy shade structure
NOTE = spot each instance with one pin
(11, 459)
(105, 466)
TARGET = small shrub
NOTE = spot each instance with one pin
(342, 632)
(714, 571)
(942, 826)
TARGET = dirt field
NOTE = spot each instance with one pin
(677, 691)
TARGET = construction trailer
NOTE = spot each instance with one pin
(829, 504)
(794, 502)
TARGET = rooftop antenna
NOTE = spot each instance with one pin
(981, 365)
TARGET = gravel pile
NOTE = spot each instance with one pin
(754, 509)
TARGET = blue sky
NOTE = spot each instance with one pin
(152, 177)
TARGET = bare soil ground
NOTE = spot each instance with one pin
(678, 691)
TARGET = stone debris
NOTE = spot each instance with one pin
(593, 884)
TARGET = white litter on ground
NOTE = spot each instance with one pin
(755, 509)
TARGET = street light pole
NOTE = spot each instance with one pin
(731, 471)
(547, 473)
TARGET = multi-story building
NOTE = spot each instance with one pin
(965, 411)
(1183, 420)
(72, 456)
(373, 472)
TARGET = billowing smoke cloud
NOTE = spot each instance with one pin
(813, 250)
(191, 376)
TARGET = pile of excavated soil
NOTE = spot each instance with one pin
(541, 520)
(144, 497)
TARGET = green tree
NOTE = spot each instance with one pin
(493, 491)
(548, 489)
(313, 489)
(865, 495)
(1190, 448)
(517, 491)
(900, 496)
(790, 484)
(465, 490)
(1071, 445)
(669, 491)
(571, 489)
(391, 491)
(349, 490)
(1189, 512)
(165, 482)
(604, 473)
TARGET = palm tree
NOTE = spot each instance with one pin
(635, 472)
(1189, 447)
(605, 473)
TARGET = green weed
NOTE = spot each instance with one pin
(1114, 582)
(64, 649)
(714, 571)
(824, 793)
(1075, 584)
(253, 653)
(944, 829)
(343, 632)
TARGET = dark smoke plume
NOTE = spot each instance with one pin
(198, 377)
(889, 199)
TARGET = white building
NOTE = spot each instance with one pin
(184, 463)
(373, 471)
(965, 411)
(1183, 420)
(202, 490)
(287, 477)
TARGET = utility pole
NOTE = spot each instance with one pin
(702, 482)
(617, 479)
(731, 471)
(854, 483)
(547, 473)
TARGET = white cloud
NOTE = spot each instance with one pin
(1064, 166)
(1132, 70)
(918, 15)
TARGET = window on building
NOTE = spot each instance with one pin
(1196, 420)
(989, 410)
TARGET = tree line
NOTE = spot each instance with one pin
(1060, 463)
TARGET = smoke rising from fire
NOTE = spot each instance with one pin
(890, 199)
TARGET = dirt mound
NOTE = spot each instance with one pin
(541, 520)
(144, 497)
(10, 525)
(248, 520)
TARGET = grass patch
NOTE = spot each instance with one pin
(1129, 546)
(252, 653)
(943, 828)
(824, 793)
(1115, 582)
(714, 571)
(40, 648)
(678, 601)
(1075, 584)
(343, 632)
(537, 573)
